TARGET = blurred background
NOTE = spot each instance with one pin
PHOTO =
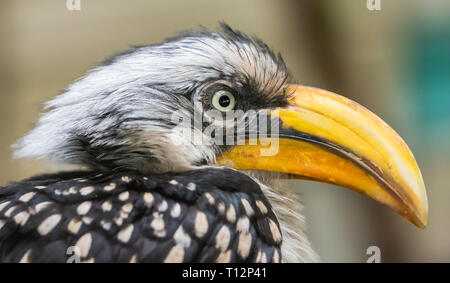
(395, 61)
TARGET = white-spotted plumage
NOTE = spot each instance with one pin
(148, 199)
(127, 208)
(107, 206)
(175, 255)
(201, 224)
(295, 246)
(276, 256)
(21, 218)
(124, 235)
(110, 187)
(175, 223)
(191, 186)
(4, 204)
(126, 179)
(176, 210)
(210, 198)
(105, 225)
(41, 206)
(244, 244)
(223, 238)
(224, 257)
(84, 207)
(133, 259)
(162, 206)
(158, 225)
(261, 206)
(124, 196)
(243, 224)
(86, 190)
(26, 197)
(182, 238)
(231, 213)
(26, 257)
(74, 225)
(48, 224)
(248, 208)
(84, 243)
(87, 220)
(10, 210)
(221, 207)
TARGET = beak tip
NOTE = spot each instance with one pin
(424, 221)
(420, 218)
(422, 213)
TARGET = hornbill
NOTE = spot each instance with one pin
(154, 188)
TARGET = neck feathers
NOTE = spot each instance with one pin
(288, 209)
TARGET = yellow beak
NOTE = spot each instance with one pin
(326, 137)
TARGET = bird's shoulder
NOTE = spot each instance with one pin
(206, 215)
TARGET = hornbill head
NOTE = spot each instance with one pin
(222, 98)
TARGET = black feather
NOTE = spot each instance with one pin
(210, 191)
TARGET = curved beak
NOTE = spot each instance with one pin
(329, 138)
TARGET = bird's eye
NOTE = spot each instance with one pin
(223, 100)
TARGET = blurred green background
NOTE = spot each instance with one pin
(395, 61)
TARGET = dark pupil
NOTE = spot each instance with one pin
(224, 101)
